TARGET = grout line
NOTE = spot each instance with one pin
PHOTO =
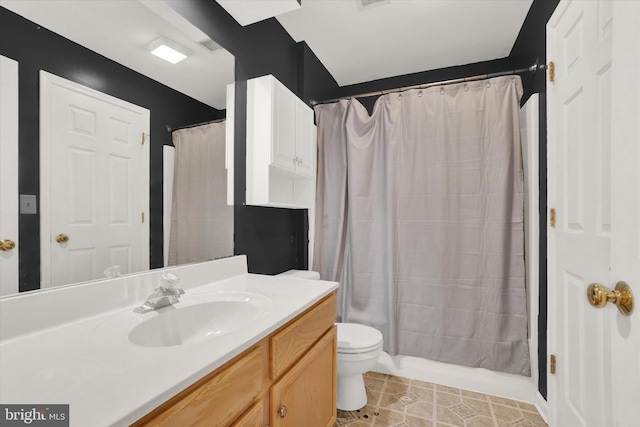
(493, 414)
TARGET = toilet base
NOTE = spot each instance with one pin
(351, 393)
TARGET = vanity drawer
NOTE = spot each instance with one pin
(218, 399)
(289, 344)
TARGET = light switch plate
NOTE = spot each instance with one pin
(28, 204)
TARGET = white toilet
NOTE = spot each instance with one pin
(358, 349)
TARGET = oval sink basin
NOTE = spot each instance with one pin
(188, 324)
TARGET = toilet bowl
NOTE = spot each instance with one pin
(359, 347)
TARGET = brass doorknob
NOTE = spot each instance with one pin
(621, 296)
(7, 245)
(62, 238)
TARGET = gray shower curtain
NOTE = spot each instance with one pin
(420, 218)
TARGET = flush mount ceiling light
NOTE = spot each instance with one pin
(168, 50)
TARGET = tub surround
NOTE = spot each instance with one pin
(69, 345)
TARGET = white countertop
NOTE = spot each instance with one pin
(90, 364)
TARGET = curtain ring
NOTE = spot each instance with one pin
(466, 87)
(441, 91)
(420, 94)
(488, 84)
(399, 96)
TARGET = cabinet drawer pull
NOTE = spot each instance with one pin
(282, 411)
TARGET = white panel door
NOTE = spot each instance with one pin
(586, 185)
(96, 185)
(8, 175)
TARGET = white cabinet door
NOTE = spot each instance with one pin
(305, 138)
(283, 146)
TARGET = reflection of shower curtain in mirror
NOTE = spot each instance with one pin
(201, 221)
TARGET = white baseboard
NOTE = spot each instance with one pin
(501, 384)
(542, 406)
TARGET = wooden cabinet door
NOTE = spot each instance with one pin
(306, 395)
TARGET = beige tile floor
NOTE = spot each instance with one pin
(401, 402)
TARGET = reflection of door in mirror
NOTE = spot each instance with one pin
(94, 183)
(9, 176)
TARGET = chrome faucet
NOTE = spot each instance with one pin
(164, 295)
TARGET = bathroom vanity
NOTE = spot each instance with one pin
(287, 379)
(238, 349)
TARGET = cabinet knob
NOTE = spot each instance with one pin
(282, 411)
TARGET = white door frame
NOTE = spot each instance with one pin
(625, 210)
(47, 80)
(9, 282)
(168, 162)
(529, 129)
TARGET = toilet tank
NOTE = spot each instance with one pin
(302, 274)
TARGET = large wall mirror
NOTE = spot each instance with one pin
(104, 48)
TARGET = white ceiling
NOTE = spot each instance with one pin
(251, 11)
(122, 29)
(395, 37)
(356, 44)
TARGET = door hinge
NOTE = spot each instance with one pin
(143, 217)
(552, 71)
(552, 364)
(143, 138)
(552, 217)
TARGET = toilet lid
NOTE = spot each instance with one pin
(356, 338)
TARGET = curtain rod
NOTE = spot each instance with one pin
(170, 129)
(532, 69)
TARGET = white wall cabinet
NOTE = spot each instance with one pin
(293, 142)
(281, 147)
